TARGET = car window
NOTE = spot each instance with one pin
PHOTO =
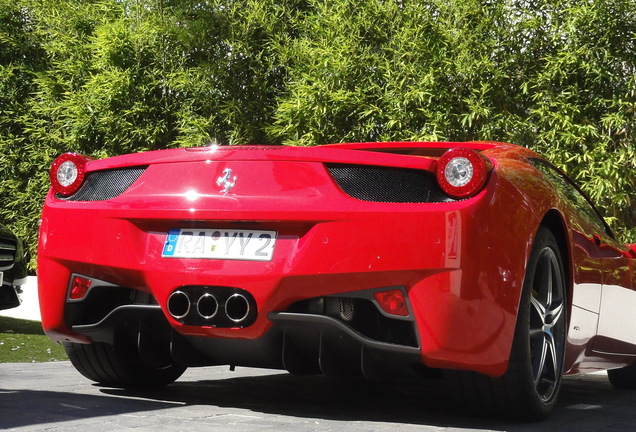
(572, 193)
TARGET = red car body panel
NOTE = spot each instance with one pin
(460, 263)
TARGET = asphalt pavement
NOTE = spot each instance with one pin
(54, 397)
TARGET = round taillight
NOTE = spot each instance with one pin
(462, 172)
(67, 173)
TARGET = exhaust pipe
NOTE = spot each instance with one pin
(221, 307)
(237, 308)
(207, 306)
(178, 304)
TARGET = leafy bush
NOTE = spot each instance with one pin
(105, 77)
(555, 76)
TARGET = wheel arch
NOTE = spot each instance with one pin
(516, 394)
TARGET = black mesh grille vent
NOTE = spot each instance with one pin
(7, 253)
(388, 184)
(104, 185)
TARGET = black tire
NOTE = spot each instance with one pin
(528, 390)
(623, 378)
(100, 363)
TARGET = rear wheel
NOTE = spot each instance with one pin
(99, 362)
(528, 389)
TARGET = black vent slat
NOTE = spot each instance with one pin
(7, 245)
(387, 184)
(105, 185)
(7, 254)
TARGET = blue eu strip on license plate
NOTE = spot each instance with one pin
(249, 245)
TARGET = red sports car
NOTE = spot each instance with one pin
(478, 260)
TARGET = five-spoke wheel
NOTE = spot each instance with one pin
(547, 326)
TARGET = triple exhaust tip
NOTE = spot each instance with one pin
(236, 308)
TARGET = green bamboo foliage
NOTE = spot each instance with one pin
(105, 77)
(556, 76)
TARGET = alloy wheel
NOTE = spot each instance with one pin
(547, 324)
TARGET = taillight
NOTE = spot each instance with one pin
(462, 172)
(67, 173)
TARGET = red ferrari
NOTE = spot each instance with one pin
(479, 261)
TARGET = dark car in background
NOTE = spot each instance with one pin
(13, 268)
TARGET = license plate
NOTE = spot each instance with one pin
(248, 245)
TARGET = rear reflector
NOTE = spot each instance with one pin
(79, 287)
(392, 302)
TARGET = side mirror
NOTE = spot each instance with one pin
(631, 249)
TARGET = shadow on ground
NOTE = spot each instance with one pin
(584, 401)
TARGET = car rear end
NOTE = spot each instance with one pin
(354, 257)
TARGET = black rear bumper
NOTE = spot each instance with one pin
(299, 343)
